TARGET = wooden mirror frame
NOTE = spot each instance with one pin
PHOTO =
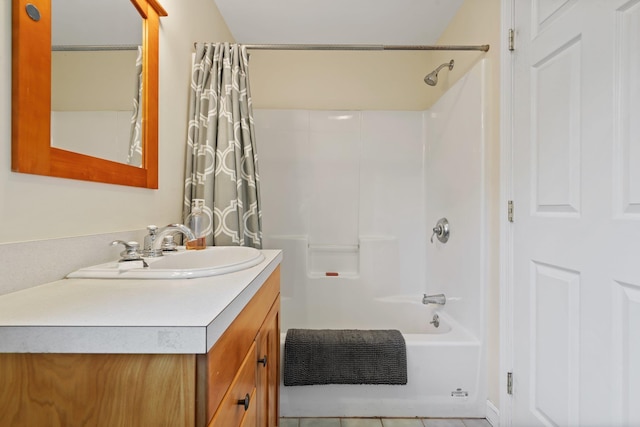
(31, 150)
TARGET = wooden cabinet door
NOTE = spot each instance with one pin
(268, 379)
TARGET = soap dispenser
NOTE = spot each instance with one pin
(196, 224)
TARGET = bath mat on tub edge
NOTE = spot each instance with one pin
(344, 356)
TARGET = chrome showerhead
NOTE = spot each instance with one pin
(432, 78)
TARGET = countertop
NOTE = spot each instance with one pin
(185, 316)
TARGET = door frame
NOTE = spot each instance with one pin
(507, 57)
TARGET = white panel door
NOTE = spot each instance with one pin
(576, 184)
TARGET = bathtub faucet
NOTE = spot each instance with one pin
(439, 299)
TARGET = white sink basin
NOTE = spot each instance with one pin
(212, 261)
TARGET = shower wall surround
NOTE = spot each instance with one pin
(456, 188)
(338, 182)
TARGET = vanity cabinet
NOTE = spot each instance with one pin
(243, 366)
(235, 384)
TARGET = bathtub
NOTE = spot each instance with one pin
(444, 364)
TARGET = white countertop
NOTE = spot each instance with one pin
(183, 316)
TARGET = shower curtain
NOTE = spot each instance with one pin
(135, 138)
(221, 162)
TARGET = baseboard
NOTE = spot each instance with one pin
(493, 414)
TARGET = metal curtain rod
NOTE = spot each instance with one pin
(86, 48)
(483, 48)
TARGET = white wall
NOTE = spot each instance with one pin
(35, 207)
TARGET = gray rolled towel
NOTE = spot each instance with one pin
(344, 356)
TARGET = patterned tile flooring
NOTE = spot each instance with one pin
(383, 422)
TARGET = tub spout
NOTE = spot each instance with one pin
(439, 299)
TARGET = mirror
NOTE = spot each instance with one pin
(96, 65)
(31, 102)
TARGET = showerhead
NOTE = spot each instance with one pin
(432, 78)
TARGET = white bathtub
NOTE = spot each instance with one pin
(439, 361)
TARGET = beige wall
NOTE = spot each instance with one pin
(321, 80)
(74, 76)
(35, 207)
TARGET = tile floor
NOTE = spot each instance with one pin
(383, 422)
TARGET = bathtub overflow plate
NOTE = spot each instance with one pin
(459, 394)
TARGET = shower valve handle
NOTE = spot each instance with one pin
(441, 230)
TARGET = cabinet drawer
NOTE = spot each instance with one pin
(231, 412)
(224, 359)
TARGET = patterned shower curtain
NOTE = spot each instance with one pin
(135, 139)
(221, 162)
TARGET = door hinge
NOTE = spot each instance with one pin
(510, 210)
(512, 39)
(509, 383)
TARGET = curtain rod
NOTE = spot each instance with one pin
(83, 48)
(483, 48)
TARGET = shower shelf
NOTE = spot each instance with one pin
(341, 275)
(341, 259)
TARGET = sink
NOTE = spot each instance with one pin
(183, 264)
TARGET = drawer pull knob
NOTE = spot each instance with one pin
(263, 360)
(245, 402)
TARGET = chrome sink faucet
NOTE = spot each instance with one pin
(439, 299)
(153, 240)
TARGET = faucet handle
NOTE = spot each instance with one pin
(152, 229)
(441, 230)
(131, 250)
(168, 245)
